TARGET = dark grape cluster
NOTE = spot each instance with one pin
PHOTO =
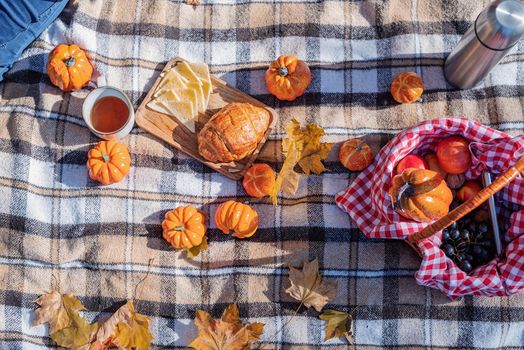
(468, 243)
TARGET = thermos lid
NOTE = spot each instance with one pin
(501, 24)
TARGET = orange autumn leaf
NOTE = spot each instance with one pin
(226, 333)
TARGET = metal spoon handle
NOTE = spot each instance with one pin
(486, 179)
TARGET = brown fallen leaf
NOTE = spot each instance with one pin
(55, 309)
(303, 147)
(308, 287)
(193, 2)
(125, 329)
(338, 324)
(226, 333)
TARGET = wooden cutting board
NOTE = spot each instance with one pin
(176, 134)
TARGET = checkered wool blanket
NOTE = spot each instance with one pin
(57, 228)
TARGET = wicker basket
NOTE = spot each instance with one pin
(466, 207)
(369, 206)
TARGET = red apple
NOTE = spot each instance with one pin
(469, 190)
(432, 160)
(411, 161)
(453, 154)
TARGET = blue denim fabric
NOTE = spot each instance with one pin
(21, 22)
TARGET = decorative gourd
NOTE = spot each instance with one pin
(355, 155)
(421, 195)
(407, 87)
(287, 78)
(108, 162)
(237, 217)
(68, 67)
(259, 180)
(184, 227)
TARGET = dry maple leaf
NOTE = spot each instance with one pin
(55, 308)
(303, 147)
(125, 329)
(77, 336)
(338, 324)
(308, 287)
(226, 333)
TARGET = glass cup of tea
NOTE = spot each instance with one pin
(108, 113)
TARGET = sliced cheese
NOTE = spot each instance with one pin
(171, 81)
(199, 94)
(183, 111)
(154, 105)
(185, 70)
(190, 95)
(202, 72)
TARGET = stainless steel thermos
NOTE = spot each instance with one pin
(496, 30)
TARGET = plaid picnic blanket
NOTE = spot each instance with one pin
(59, 229)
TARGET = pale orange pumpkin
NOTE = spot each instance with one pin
(421, 195)
(407, 87)
(68, 67)
(259, 180)
(287, 78)
(237, 217)
(355, 155)
(108, 162)
(184, 227)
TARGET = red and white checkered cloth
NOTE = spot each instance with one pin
(369, 205)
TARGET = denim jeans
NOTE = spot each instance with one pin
(21, 22)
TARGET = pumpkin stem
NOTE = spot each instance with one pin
(179, 228)
(282, 71)
(406, 189)
(105, 157)
(70, 61)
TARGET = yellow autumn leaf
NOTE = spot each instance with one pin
(226, 333)
(313, 161)
(338, 324)
(132, 329)
(55, 309)
(76, 336)
(303, 147)
(308, 287)
(195, 251)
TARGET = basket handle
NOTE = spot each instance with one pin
(468, 206)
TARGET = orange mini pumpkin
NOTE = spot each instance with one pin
(184, 227)
(287, 78)
(108, 162)
(259, 180)
(237, 217)
(355, 155)
(407, 87)
(68, 67)
(421, 195)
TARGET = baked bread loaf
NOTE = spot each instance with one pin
(233, 133)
